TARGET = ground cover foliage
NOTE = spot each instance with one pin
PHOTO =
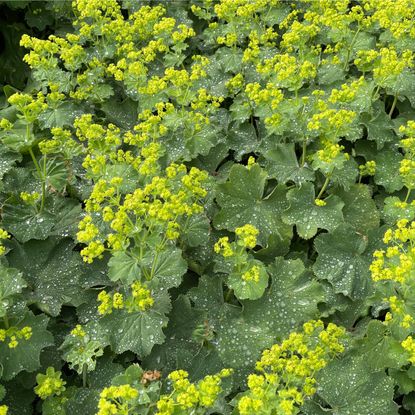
(207, 207)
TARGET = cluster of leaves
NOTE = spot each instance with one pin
(185, 184)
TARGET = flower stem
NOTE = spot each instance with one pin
(407, 195)
(42, 175)
(395, 100)
(84, 373)
(326, 182)
(303, 155)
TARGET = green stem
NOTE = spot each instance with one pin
(326, 182)
(375, 91)
(84, 373)
(6, 322)
(346, 64)
(395, 100)
(407, 195)
(41, 175)
(43, 184)
(228, 295)
(303, 155)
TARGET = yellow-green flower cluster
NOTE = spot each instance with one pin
(188, 396)
(286, 71)
(13, 335)
(116, 400)
(407, 164)
(252, 274)
(78, 331)
(328, 158)
(140, 299)
(247, 236)
(61, 143)
(49, 384)
(236, 83)
(409, 345)
(330, 121)
(368, 169)
(29, 107)
(396, 262)
(389, 64)
(4, 409)
(348, 92)
(287, 370)
(269, 95)
(393, 15)
(320, 202)
(3, 235)
(398, 313)
(156, 206)
(223, 247)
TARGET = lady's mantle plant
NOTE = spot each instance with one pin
(206, 207)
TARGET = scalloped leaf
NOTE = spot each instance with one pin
(251, 290)
(11, 283)
(343, 261)
(291, 299)
(53, 270)
(307, 216)
(138, 331)
(242, 201)
(360, 210)
(350, 388)
(281, 162)
(27, 353)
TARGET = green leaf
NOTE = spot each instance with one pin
(307, 216)
(379, 126)
(123, 113)
(53, 271)
(56, 174)
(392, 213)
(346, 176)
(62, 115)
(387, 163)
(387, 169)
(360, 210)
(20, 138)
(182, 348)
(251, 290)
(341, 261)
(350, 388)
(291, 299)
(167, 267)
(329, 73)
(25, 222)
(123, 267)
(281, 162)
(19, 399)
(138, 331)
(242, 201)
(195, 231)
(11, 283)
(83, 400)
(242, 138)
(380, 349)
(7, 160)
(25, 356)
(60, 217)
